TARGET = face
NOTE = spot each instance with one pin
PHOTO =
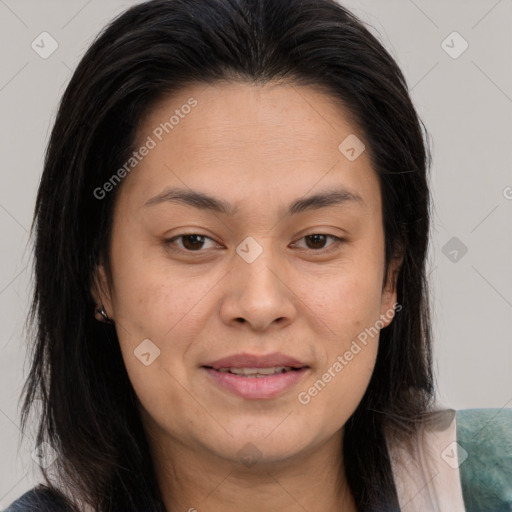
(193, 284)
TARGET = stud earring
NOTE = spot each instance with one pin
(100, 310)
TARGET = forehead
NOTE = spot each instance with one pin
(230, 114)
(233, 137)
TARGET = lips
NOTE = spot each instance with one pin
(256, 377)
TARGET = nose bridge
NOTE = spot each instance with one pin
(256, 259)
(260, 294)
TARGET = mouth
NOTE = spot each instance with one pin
(255, 381)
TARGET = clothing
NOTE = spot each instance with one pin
(461, 462)
(37, 500)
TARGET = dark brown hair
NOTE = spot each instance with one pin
(89, 413)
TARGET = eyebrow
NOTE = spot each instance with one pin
(200, 200)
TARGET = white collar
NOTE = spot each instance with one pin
(426, 473)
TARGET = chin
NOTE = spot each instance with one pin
(253, 447)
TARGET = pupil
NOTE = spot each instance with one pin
(316, 237)
(195, 241)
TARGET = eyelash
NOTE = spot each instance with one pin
(333, 247)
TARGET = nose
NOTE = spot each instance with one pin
(258, 292)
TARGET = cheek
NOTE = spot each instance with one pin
(337, 386)
(152, 305)
(153, 296)
(347, 306)
(346, 301)
(339, 392)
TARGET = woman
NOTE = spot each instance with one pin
(231, 299)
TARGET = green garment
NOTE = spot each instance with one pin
(486, 474)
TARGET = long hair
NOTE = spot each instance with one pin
(88, 406)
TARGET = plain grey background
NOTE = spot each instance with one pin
(463, 97)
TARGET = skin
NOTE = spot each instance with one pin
(259, 148)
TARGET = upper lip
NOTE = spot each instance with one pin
(245, 360)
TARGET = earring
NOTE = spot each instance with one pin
(100, 310)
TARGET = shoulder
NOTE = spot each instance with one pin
(39, 499)
(484, 446)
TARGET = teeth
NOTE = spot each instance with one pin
(256, 372)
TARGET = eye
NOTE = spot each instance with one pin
(191, 242)
(317, 239)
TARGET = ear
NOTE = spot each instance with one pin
(389, 293)
(100, 290)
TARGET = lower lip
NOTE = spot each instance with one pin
(257, 387)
